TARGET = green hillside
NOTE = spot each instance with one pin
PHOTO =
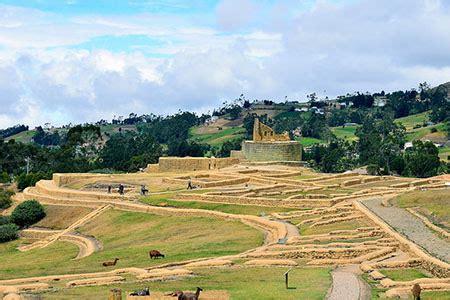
(346, 133)
(216, 137)
(23, 137)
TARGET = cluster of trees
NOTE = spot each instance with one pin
(82, 148)
(24, 215)
(379, 147)
(4, 133)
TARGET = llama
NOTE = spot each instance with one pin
(155, 254)
(110, 263)
(416, 289)
(144, 292)
(190, 296)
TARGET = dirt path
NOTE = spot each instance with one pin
(411, 227)
(347, 285)
(86, 249)
(87, 245)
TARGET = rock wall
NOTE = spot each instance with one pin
(272, 151)
(170, 164)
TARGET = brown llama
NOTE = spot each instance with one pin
(110, 263)
(155, 254)
(190, 296)
(416, 289)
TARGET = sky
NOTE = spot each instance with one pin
(76, 61)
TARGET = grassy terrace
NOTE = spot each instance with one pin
(404, 274)
(166, 200)
(434, 204)
(348, 225)
(61, 217)
(219, 137)
(129, 236)
(241, 284)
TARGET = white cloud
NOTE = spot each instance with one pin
(337, 48)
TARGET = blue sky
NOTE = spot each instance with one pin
(80, 61)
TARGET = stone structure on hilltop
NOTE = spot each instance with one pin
(263, 133)
(269, 146)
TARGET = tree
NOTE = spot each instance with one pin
(422, 160)
(8, 232)
(25, 180)
(380, 142)
(27, 213)
(227, 146)
(5, 198)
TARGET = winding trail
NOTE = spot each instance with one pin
(347, 285)
(87, 245)
(411, 227)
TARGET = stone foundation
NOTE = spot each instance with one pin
(272, 151)
(177, 164)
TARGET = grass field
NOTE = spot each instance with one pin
(61, 217)
(404, 274)
(348, 225)
(217, 138)
(129, 236)
(424, 132)
(157, 200)
(346, 133)
(23, 137)
(309, 141)
(444, 153)
(410, 121)
(434, 204)
(241, 284)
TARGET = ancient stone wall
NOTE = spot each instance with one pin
(169, 164)
(262, 132)
(272, 151)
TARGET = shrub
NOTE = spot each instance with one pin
(8, 232)
(433, 130)
(27, 213)
(26, 180)
(5, 220)
(5, 198)
(4, 177)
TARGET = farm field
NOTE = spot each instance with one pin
(241, 284)
(130, 236)
(217, 137)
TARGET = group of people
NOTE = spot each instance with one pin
(121, 189)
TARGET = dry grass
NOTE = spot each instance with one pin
(435, 204)
(129, 236)
(60, 217)
(348, 225)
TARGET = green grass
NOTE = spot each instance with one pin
(129, 236)
(403, 274)
(163, 200)
(444, 153)
(241, 284)
(419, 133)
(309, 141)
(410, 121)
(376, 290)
(23, 137)
(346, 133)
(434, 204)
(217, 138)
